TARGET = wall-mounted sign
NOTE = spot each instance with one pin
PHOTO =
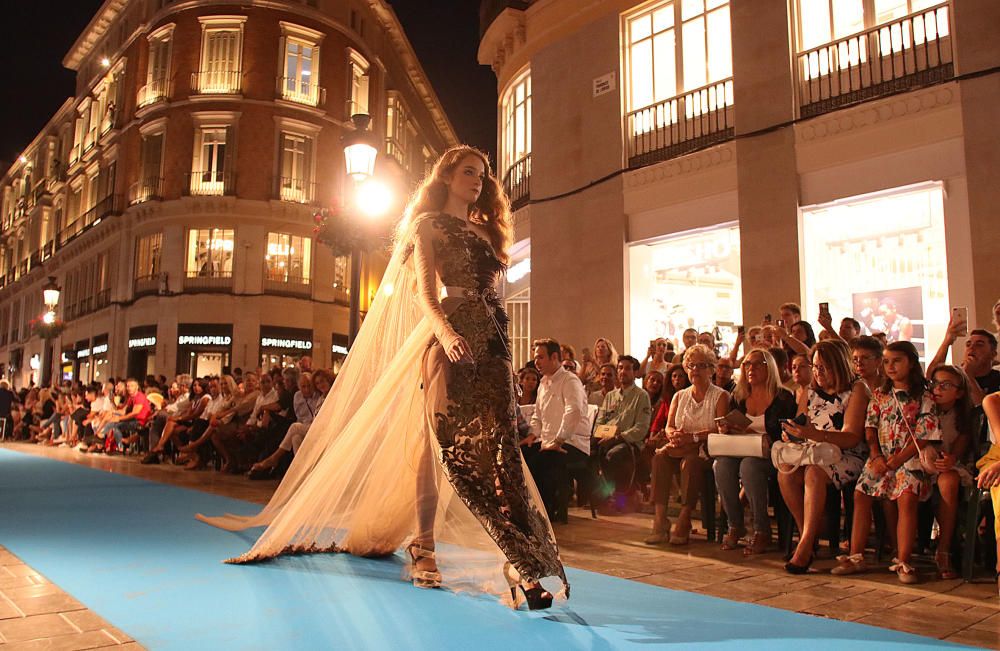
(83, 353)
(204, 340)
(274, 342)
(99, 349)
(142, 342)
(604, 84)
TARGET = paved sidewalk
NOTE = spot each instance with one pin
(949, 610)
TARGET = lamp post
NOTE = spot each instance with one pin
(359, 154)
(50, 296)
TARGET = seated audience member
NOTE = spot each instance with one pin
(833, 407)
(899, 411)
(604, 353)
(760, 396)
(691, 418)
(607, 378)
(723, 377)
(46, 415)
(306, 402)
(625, 411)
(177, 402)
(980, 355)
(949, 387)
(785, 376)
(135, 414)
(570, 365)
(676, 380)
(240, 446)
(568, 354)
(7, 400)
(654, 360)
(528, 379)
(244, 397)
(866, 358)
(652, 382)
(989, 465)
(100, 419)
(802, 372)
(305, 364)
(559, 428)
(850, 329)
(179, 424)
(221, 393)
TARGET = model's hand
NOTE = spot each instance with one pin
(458, 349)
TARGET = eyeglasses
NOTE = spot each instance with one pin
(946, 385)
(857, 359)
(750, 364)
(697, 366)
(818, 368)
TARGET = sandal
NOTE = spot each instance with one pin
(660, 535)
(905, 572)
(759, 543)
(851, 564)
(945, 570)
(678, 539)
(423, 578)
(732, 538)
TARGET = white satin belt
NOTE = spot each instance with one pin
(463, 292)
(454, 292)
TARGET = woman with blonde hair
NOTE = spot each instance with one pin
(761, 398)
(604, 352)
(416, 444)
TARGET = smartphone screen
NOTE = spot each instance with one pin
(741, 330)
(962, 314)
(824, 308)
(781, 323)
(767, 318)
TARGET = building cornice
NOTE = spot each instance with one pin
(696, 162)
(93, 33)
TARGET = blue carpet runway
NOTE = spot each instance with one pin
(132, 551)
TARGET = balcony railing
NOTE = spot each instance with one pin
(208, 281)
(296, 190)
(895, 57)
(210, 182)
(295, 90)
(48, 250)
(155, 91)
(694, 120)
(148, 189)
(146, 285)
(517, 182)
(22, 268)
(292, 285)
(224, 82)
(107, 207)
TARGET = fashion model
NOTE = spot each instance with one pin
(417, 442)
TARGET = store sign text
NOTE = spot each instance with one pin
(204, 340)
(274, 342)
(142, 342)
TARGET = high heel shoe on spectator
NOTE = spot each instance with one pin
(660, 535)
(945, 570)
(423, 578)
(732, 538)
(759, 543)
(792, 568)
(681, 535)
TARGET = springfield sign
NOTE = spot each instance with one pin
(277, 342)
(204, 340)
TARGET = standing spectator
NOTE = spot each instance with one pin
(790, 313)
(528, 379)
(980, 355)
(833, 406)
(899, 411)
(723, 377)
(654, 358)
(690, 420)
(560, 428)
(607, 378)
(568, 354)
(7, 400)
(626, 411)
(604, 353)
(765, 402)
(689, 338)
(305, 364)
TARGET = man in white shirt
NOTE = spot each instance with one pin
(560, 428)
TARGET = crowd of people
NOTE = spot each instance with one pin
(785, 421)
(240, 422)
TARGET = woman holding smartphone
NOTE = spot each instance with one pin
(831, 410)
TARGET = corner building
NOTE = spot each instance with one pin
(173, 197)
(696, 163)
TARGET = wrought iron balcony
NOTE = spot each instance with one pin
(207, 280)
(296, 90)
(148, 189)
(907, 53)
(146, 285)
(296, 190)
(280, 283)
(693, 120)
(210, 182)
(155, 91)
(517, 182)
(217, 82)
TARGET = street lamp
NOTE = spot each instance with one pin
(50, 296)
(359, 155)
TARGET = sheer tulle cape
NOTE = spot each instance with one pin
(352, 485)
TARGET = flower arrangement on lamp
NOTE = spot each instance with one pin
(46, 325)
(344, 234)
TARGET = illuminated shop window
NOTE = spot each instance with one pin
(288, 257)
(210, 253)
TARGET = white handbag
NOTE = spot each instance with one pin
(738, 445)
(785, 454)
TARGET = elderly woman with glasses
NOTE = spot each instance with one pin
(761, 398)
(691, 419)
(832, 410)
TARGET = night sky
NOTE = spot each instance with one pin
(444, 34)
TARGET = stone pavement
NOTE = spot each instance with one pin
(967, 613)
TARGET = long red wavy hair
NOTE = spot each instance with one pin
(491, 210)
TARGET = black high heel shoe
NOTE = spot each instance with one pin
(538, 598)
(792, 568)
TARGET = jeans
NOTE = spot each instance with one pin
(754, 474)
(124, 428)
